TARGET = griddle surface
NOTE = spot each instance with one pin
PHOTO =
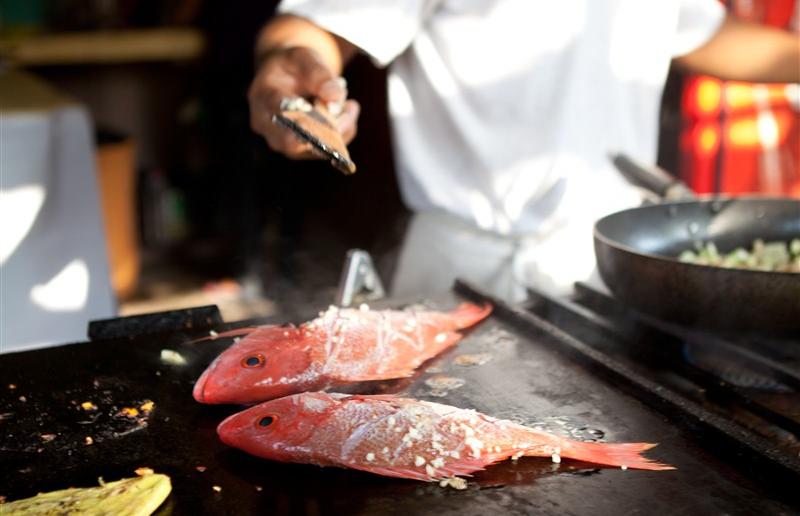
(526, 380)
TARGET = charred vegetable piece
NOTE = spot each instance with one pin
(138, 496)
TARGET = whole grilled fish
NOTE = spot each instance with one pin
(406, 438)
(340, 347)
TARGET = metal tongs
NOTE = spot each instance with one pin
(314, 123)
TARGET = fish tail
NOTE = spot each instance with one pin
(468, 314)
(628, 455)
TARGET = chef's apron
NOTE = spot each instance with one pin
(438, 248)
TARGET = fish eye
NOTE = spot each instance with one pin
(266, 421)
(253, 361)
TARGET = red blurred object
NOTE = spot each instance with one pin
(742, 137)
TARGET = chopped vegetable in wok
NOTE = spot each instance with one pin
(763, 256)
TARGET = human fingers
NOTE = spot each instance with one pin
(348, 120)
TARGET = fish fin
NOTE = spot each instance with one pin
(612, 454)
(267, 330)
(469, 314)
(464, 470)
(465, 467)
(385, 375)
(393, 398)
(409, 473)
(443, 341)
(230, 333)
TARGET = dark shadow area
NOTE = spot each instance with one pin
(214, 201)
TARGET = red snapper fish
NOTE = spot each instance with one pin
(341, 347)
(406, 438)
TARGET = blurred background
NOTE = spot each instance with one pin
(194, 208)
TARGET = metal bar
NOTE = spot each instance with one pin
(159, 322)
(758, 363)
(669, 349)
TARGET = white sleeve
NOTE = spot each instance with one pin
(698, 21)
(382, 28)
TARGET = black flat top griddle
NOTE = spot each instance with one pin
(528, 379)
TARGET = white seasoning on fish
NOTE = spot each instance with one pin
(556, 458)
(476, 445)
(419, 461)
(370, 457)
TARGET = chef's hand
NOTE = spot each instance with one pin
(295, 72)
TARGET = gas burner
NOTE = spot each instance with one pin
(729, 369)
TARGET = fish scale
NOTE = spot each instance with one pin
(409, 438)
(391, 339)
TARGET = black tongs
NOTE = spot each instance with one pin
(313, 123)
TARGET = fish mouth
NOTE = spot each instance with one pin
(201, 387)
(229, 429)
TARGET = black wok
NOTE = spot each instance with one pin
(636, 254)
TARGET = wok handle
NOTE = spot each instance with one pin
(651, 178)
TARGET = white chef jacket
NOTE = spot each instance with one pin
(503, 113)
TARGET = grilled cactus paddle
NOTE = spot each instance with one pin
(138, 496)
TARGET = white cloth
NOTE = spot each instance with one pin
(54, 272)
(440, 248)
(504, 111)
